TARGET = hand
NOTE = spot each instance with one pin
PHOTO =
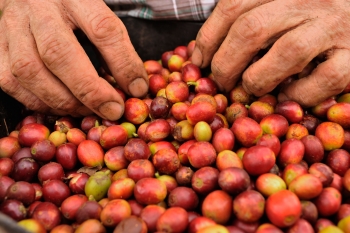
(298, 31)
(43, 65)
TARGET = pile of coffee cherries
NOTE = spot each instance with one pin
(186, 158)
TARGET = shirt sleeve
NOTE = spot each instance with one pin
(197, 10)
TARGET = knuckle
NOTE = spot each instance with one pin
(225, 8)
(125, 66)
(301, 48)
(55, 51)
(295, 52)
(104, 26)
(250, 26)
(223, 12)
(333, 79)
(35, 104)
(204, 37)
(25, 67)
(88, 91)
(8, 84)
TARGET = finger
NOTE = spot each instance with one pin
(10, 85)
(328, 79)
(289, 55)
(106, 31)
(66, 59)
(251, 32)
(31, 72)
(216, 27)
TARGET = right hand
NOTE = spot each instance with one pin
(43, 66)
(296, 32)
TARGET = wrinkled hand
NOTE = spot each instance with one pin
(43, 65)
(298, 30)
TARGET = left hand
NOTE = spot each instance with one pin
(298, 31)
(43, 65)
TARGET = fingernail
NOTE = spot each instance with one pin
(197, 57)
(138, 87)
(111, 110)
(282, 97)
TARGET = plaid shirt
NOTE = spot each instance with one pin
(197, 10)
